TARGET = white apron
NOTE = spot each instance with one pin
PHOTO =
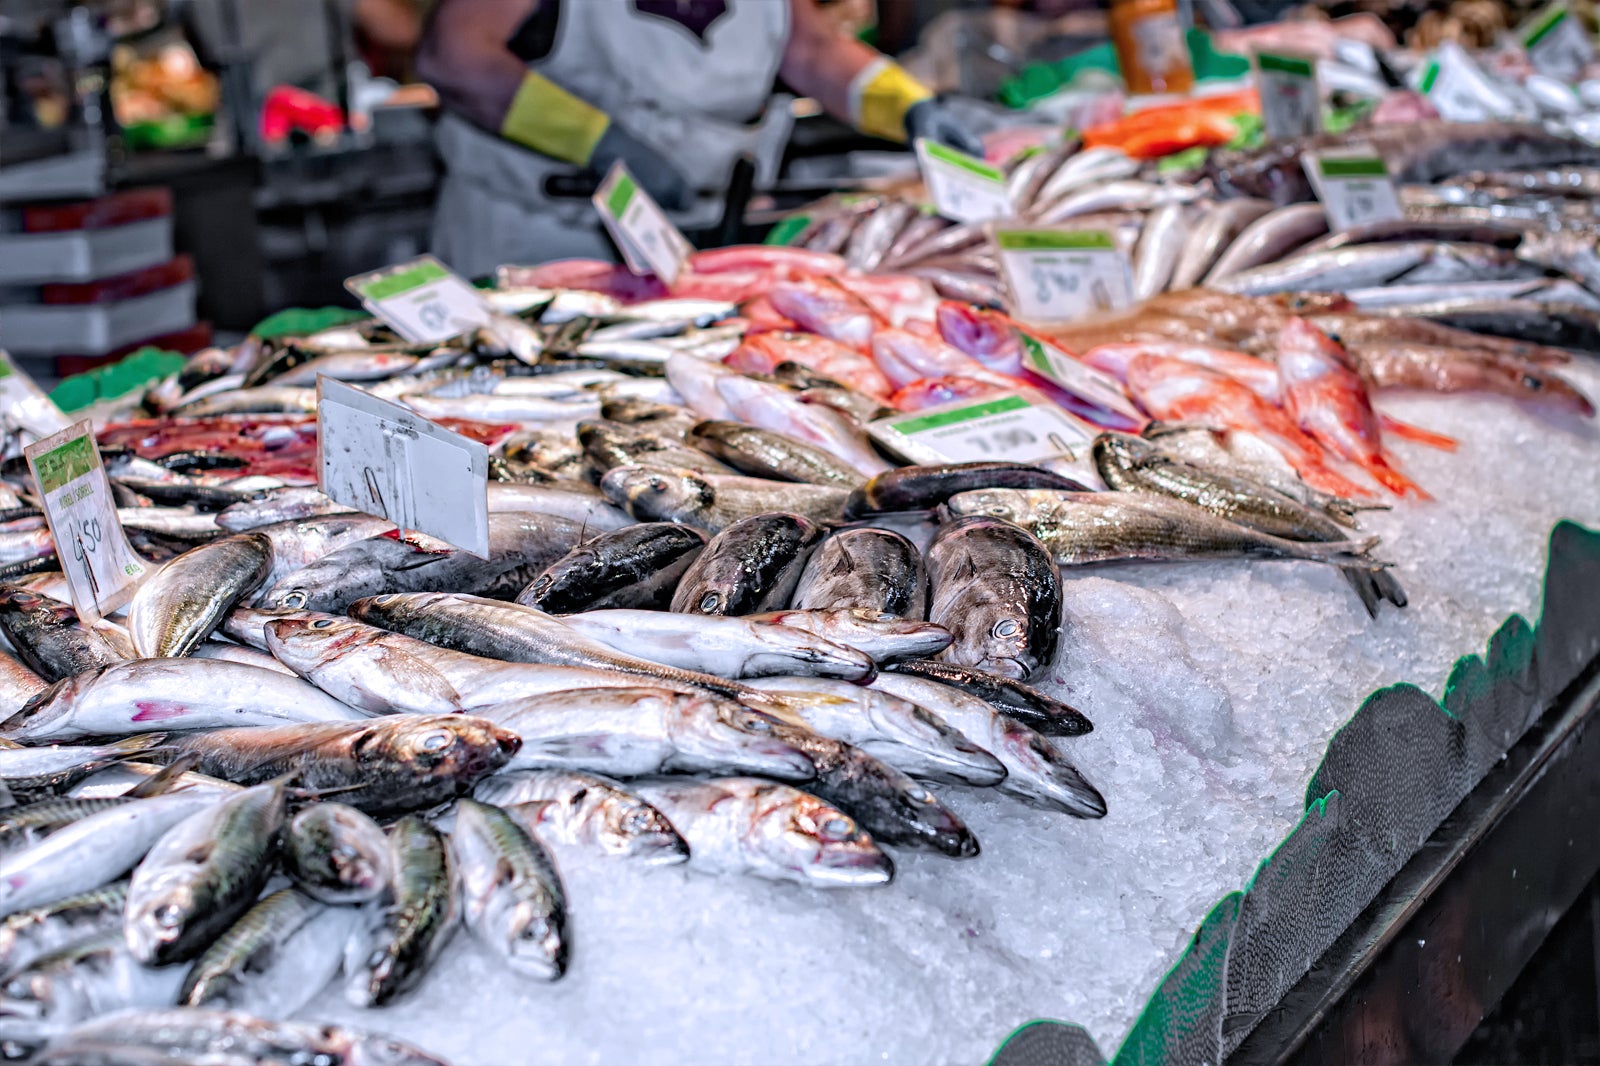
(682, 85)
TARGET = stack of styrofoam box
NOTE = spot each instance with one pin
(87, 279)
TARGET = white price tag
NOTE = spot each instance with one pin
(101, 567)
(1021, 427)
(649, 241)
(1056, 275)
(1289, 103)
(1455, 86)
(1354, 189)
(24, 405)
(1556, 42)
(383, 459)
(421, 300)
(1061, 370)
(963, 188)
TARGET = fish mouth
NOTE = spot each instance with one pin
(852, 866)
(659, 850)
(779, 760)
(1008, 666)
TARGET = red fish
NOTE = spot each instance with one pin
(905, 357)
(761, 354)
(988, 336)
(823, 306)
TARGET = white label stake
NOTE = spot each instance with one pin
(385, 460)
(24, 405)
(649, 241)
(1354, 189)
(1022, 427)
(1288, 86)
(421, 300)
(1057, 275)
(1556, 42)
(962, 188)
(101, 567)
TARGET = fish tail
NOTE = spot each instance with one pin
(1409, 432)
(1388, 586)
(1394, 480)
(1361, 581)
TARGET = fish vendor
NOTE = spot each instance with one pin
(536, 89)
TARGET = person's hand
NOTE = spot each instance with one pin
(650, 168)
(937, 121)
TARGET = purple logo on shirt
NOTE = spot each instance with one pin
(696, 16)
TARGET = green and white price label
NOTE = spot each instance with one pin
(1556, 42)
(1021, 427)
(1354, 189)
(101, 567)
(421, 300)
(389, 461)
(1457, 88)
(1055, 366)
(24, 404)
(1289, 103)
(650, 243)
(962, 188)
(1059, 274)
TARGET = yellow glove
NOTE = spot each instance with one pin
(881, 95)
(545, 117)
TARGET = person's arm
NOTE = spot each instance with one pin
(465, 54)
(862, 86)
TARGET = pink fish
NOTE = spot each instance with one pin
(824, 307)
(775, 261)
(988, 336)
(761, 354)
(931, 392)
(905, 357)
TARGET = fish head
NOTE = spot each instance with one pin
(715, 732)
(806, 834)
(1120, 451)
(1009, 504)
(532, 940)
(306, 640)
(155, 924)
(631, 827)
(655, 495)
(455, 747)
(1550, 389)
(1051, 775)
(940, 751)
(342, 850)
(919, 811)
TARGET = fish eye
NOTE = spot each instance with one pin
(757, 725)
(577, 797)
(438, 740)
(1531, 383)
(835, 830)
(658, 485)
(921, 795)
(537, 929)
(709, 602)
(322, 623)
(170, 916)
(1005, 627)
(295, 600)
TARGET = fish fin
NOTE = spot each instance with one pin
(1394, 480)
(137, 744)
(1338, 552)
(163, 779)
(1388, 586)
(1405, 431)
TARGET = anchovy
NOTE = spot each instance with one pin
(514, 901)
(634, 567)
(583, 810)
(408, 932)
(868, 569)
(336, 854)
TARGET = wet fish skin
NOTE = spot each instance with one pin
(752, 565)
(1217, 229)
(1269, 238)
(36, 773)
(136, 696)
(202, 874)
(1159, 246)
(868, 569)
(914, 488)
(180, 605)
(336, 854)
(884, 638)
(584, 810)
(81, 981)
(995, 587)
(713, 503)
(409, 931)
(299, 542)
(38, 931)
(638, 566)
(514, 900)
(383, 766)
(273, 960)
(277, 505)
(629, 732)
(763, 453)
(1018, 700)
(749, 826)
(722, 645)
(612, 444)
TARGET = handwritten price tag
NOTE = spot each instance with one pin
(1455, 86)
(1289, 102)
(421, 300)
(101, 567)
(24, 405)
(1021, 426)
(650, 243)
(962, 188)
(1055, 275)
(385, 460)
(1354, 189)
(1556, 42)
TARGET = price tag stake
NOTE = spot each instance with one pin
(650, 243)
(386, 460)
(101, 567)
(421, 300)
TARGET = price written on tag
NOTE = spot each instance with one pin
(962, 188)
(385, 460)
(1056, 275)
(1353, 189)
(1290, 105)
(24, 405)
(421, 300)
(1454, 85)
(1556, 42)
(650, 243)
(101, 567)
(1022, 427)
(1061, 370)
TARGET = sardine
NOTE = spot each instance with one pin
(336, 854)
(994, 586)
(634, 567)
(748, 826)
(752, 565)
(407, 932)
(1027, 704)
(178, 607)
(865, 569)
(583, 810)
(514, 901)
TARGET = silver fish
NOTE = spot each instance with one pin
(299, 542)
(713, 502)
(1156, 257)
(30, 934)
(1269, 238)
(82, 981)
(178, 607)
(589, 509)
(514, 901)
(336, 854)
(1220, 227)
(884, 637)
(583, 810)
(274, 960)
(721, 645)
(406, 933)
